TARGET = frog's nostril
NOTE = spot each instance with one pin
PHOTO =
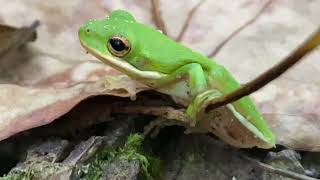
(87, 30)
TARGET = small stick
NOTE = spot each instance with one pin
(268, 76)
(282, 172)
(157, 16)
(188, 20)
(266, 167)
(237, 31)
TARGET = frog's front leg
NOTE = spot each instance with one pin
(193, 73)
(197, 88)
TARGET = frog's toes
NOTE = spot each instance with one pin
(197, 107)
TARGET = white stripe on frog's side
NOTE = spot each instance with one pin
(247, 124)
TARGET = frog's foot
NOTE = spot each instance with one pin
(154, 127)
(197, 107)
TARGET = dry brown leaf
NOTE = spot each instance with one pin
(57, 73)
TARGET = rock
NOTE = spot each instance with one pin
(114, 135)
(120, 169)
(51, 151)
(287, 160)
(199, 156)
(57, 159)
(311, 163)
(40, 162)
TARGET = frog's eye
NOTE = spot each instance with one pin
(119, 46)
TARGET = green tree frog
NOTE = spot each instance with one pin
(147, 55)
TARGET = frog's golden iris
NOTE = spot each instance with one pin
(119, 46)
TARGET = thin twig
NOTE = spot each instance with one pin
(282, 172)
(237, 31)
(252, 86)
(187, 21)
(268, 168)
(156, 12)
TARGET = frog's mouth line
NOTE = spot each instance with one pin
(123, 66)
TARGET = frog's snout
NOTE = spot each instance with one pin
(83, 34)
(84, 30)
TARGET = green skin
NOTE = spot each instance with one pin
(161, 63)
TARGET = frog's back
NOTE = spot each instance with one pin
(155, 46)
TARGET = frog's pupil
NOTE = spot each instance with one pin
(117, 44)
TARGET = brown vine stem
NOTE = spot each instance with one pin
(237, 31)
(188, 20)
(156, 12)
(311, 43)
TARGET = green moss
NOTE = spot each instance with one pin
(132, 150)
(36, 170)
(18, 176)
(25, 174)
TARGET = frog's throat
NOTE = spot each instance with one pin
(123, 66)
